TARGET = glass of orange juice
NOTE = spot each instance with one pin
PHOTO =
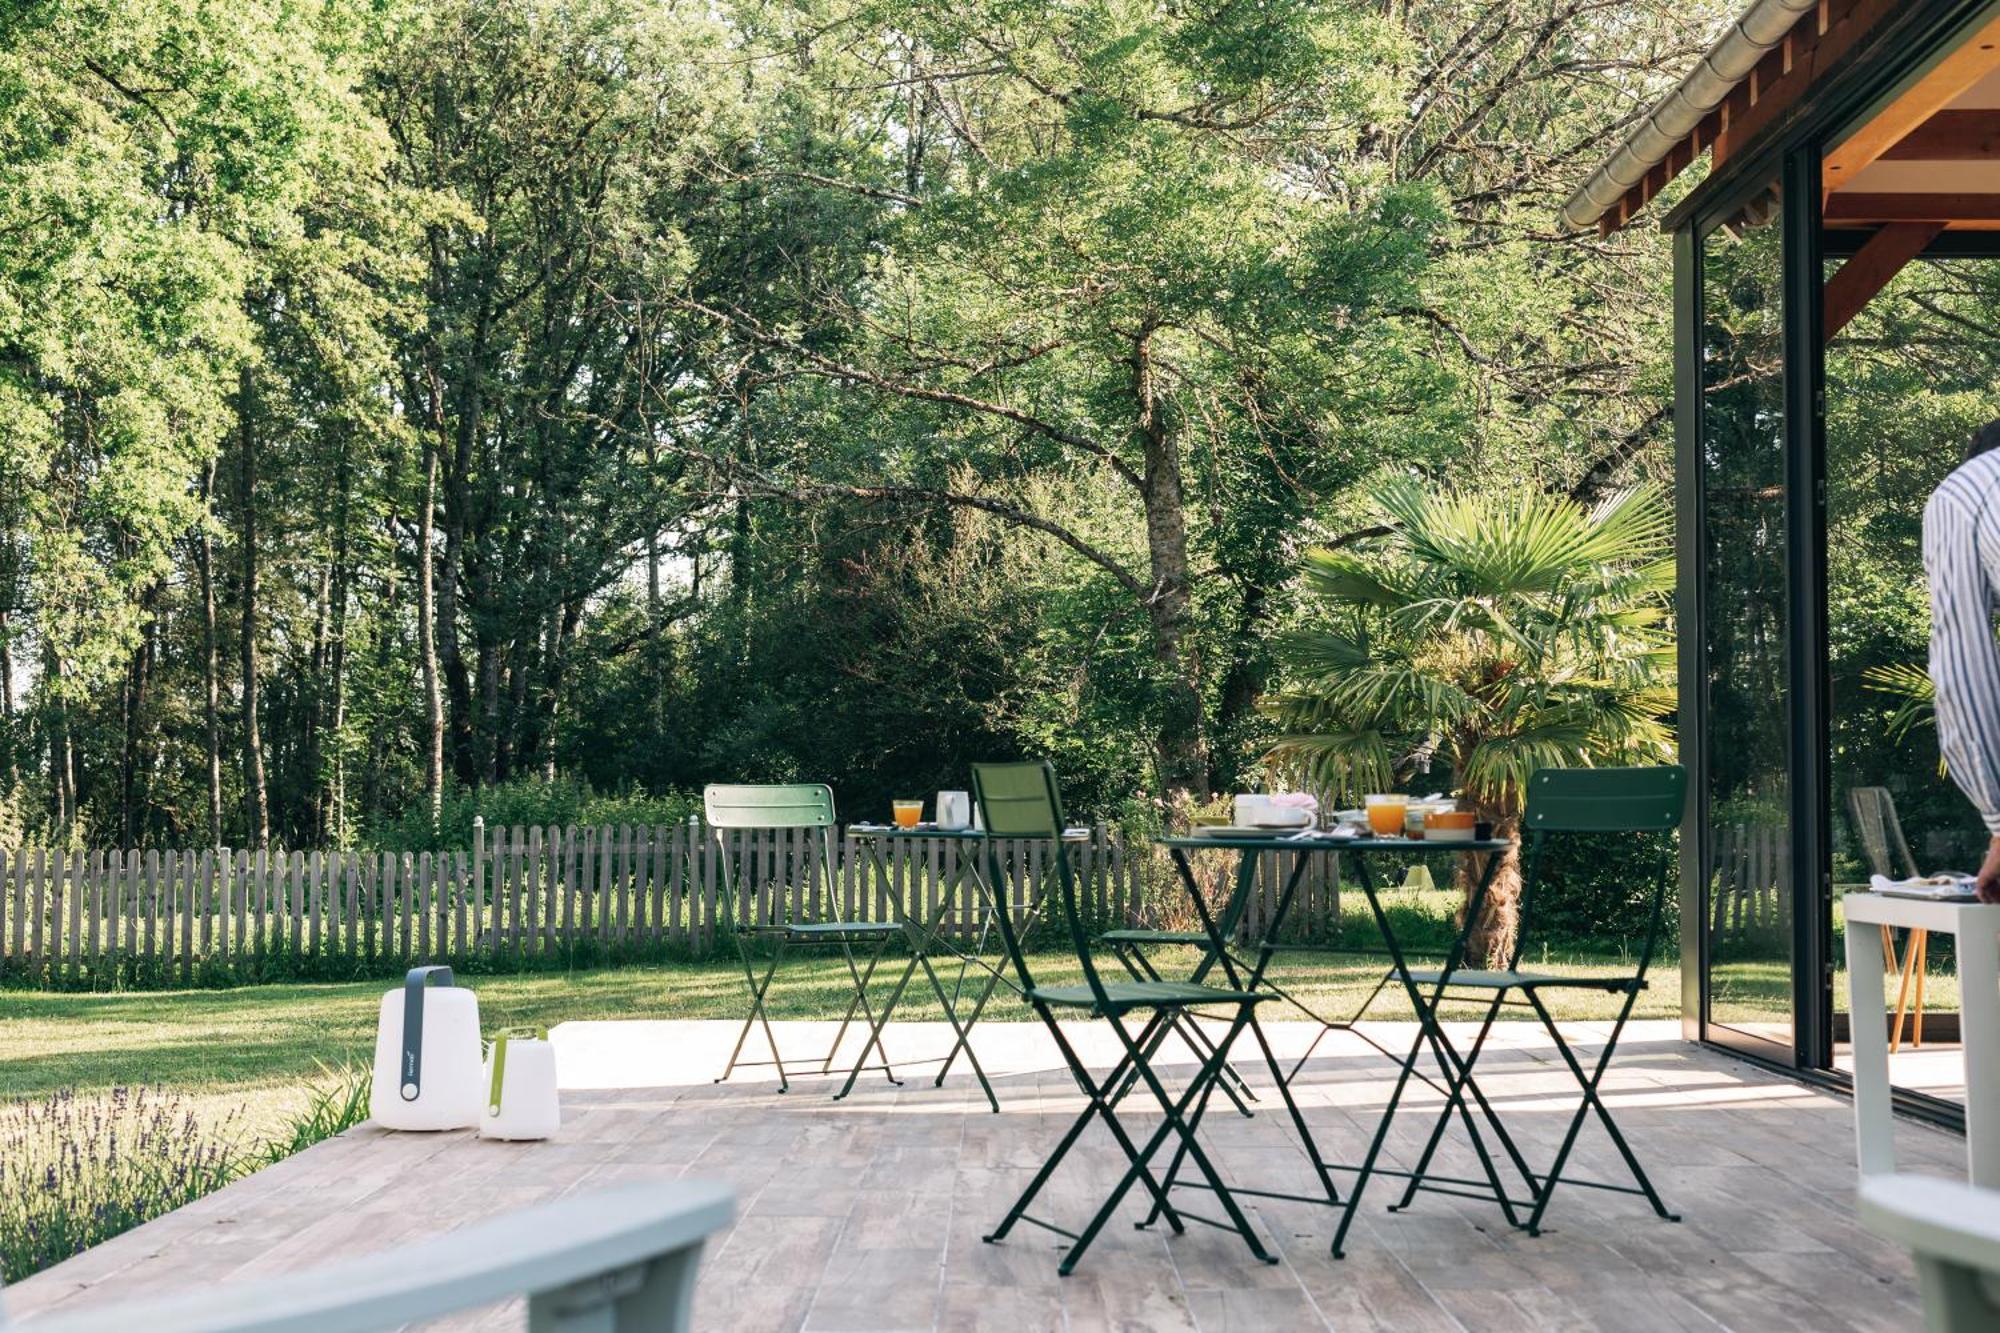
(908, 813)
(1385, 813)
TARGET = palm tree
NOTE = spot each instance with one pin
(1491, 634)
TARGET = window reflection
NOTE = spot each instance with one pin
(1748, 838)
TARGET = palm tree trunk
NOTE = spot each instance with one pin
(1491, 942)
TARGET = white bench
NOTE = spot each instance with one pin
(621, 1259)
(1954, 1232)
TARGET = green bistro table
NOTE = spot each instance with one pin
(929, 938)
(1430, 1031)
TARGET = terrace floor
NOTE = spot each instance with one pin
(868, 1213)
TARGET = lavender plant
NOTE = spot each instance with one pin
(77, 1170)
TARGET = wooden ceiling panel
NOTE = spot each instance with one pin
(1962, 70)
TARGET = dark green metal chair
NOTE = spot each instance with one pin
(792, 806)
(1021, 801)
(1128, 945)
(1606, 803)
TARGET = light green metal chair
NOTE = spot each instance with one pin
(1021, 801)
(792, 806)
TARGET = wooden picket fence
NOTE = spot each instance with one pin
(70, 918)
(1747, 897)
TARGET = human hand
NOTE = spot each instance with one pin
(1987, 883)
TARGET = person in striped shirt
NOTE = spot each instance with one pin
(1962, 560)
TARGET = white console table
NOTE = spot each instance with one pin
(1976, 928)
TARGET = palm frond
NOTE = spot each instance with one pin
(1346, 764)
(1912, 686)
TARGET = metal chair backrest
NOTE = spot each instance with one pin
(1881, 833)
(1021, 801)
(1603, 801)
(780, 805)
(794, 805)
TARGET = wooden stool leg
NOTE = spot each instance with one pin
(1903, 993)
(1922, 942)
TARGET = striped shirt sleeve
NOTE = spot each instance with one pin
(1965, 658)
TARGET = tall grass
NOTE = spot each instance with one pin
(338, 1101)
(77, 1169)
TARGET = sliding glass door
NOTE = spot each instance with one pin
(1745, 840)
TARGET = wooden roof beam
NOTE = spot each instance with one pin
(1868, 271)
(1950, 136)
(1980, 211)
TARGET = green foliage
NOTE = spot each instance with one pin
(1492, 633)
(336, 1101)
(846, 390)
(524, 802)
(79, 1169)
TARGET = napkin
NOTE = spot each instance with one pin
(1931, 888)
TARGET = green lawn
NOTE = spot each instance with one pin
(256, 1047)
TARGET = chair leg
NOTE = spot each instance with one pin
(1454, 1103)
(1181, 1025)
(758, 1014)
(875, 1026)
(1591, 1101)
(1291, 1107)
(847, 1018)
(1923, 943)
(1175, 1123)
(1903, 992)
(1098, 1106)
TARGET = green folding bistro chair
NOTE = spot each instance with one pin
(1569, 802)
(794, 806)
(1021, 801)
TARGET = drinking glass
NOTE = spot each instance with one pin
(908, 813)
(1386, 812)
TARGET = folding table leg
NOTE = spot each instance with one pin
(959, 1035)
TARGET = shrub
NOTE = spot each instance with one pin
(75, 1171)
(526, 801)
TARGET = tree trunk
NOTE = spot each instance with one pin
(1491, 942)
(1242, 680)
(1182, 747)
(334, 801)
(491, 736)
(7, 704)
(62, 759)
(136, 680)
(312, 709)
(427, 643)
(256, 798)
(211, 671)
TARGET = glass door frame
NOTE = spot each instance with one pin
(1810, 866)
(1905, 41)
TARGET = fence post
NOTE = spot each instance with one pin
(478, 861)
